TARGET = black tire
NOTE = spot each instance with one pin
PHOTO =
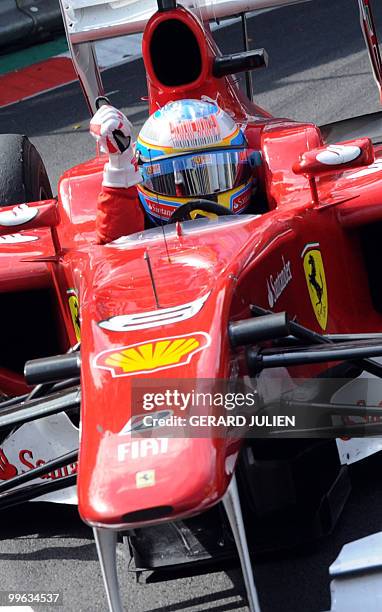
(23, 177)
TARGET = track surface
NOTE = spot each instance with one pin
(318, 71)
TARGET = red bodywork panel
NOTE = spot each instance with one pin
(231, 265)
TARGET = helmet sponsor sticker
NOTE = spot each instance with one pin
(159, 209)
(153, 169)
(241, 200)
(316, 282)
(146, 357)
(200, 132)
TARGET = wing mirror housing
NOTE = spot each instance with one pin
(35, 215)
(334, 158)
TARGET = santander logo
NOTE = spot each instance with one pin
(277, 285)
(338, 154)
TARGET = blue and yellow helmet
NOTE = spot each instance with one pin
(188, 150)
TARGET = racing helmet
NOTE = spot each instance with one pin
(190, 150)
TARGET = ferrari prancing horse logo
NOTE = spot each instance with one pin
(74, 308)
(316, 281)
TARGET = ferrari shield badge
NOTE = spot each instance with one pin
(316, 281)
(74, 308)
(145, 479)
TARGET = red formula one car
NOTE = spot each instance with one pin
(259, 301)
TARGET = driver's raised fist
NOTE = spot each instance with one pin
(107, 126)
(105, 123)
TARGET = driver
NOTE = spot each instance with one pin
(189, 150)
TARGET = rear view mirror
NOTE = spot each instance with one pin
(29, 216)
(335, 157)
(35, 215)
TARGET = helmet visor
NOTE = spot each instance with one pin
(197, 174)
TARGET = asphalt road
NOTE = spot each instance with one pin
(318, 71)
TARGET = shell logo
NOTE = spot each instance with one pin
(146, 357)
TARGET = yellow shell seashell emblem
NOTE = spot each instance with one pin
(151, 356)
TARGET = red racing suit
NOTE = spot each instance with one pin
(119, 213)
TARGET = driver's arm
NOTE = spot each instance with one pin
(118, 209)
